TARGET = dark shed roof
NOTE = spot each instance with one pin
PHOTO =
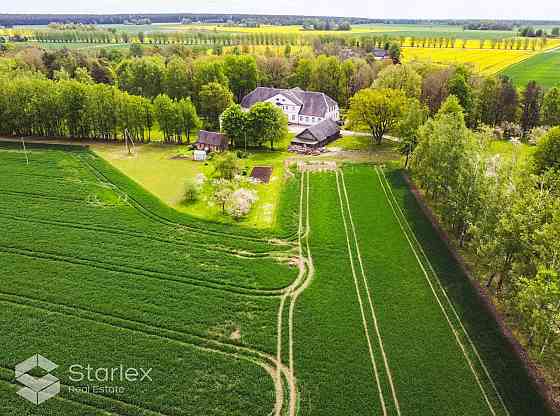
(322, 130)
(319, 133)
(212, 138)
(380, 53)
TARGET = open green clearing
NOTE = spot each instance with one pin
(163, 169)
(543, 68)
(331, 312)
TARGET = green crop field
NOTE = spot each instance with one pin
(543, 68)
(350, 304)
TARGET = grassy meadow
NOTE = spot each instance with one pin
(164, 169)
(543, 68)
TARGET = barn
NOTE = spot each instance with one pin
(318, 135)
(211, 141)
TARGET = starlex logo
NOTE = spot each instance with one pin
(37, 390)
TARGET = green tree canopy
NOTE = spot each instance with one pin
(551, 108)
(459, 86)
(531, 106)
(400, 77)
(242, 74)
(377, 111)
(415, 115)
(226, 165)
(141, 76)
(189, 117)
(166, 115)
(235, 125)
(547, 155)
(177, 82)
(267, 123)
(214, 99)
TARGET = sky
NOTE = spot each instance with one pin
(417, 9)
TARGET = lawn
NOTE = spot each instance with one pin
(156, 167)
(543, 68)
(337, 310)
(507, 149)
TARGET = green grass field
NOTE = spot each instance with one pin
(543, 68)
(156, 167)
(336, 310)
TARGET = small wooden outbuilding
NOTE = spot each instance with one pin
(211, 141)
(318, 135)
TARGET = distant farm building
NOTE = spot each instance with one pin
(318, 135)
(380, 54)
(301, 107)
(210, 141)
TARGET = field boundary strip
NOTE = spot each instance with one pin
(257, 357)
(438, 300)
(370, 301)
(360, 302)
(521, 61)
(452, 306)
(307, 278)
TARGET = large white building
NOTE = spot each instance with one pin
(301, 107)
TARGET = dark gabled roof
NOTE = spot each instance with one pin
(211, 138)
(313, 103)
(380, 53)
(320, 131)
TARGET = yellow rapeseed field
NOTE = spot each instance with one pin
(486, 61)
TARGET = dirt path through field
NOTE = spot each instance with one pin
(369, 296)
(360, 301)
(304, 279)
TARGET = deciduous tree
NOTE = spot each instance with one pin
(377, 111)
(400, 77)
(214, 99)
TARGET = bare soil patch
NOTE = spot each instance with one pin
(262, 173)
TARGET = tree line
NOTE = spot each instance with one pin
(528, 41)
(72, 109)
(213, 83)
(408, 92)
(505, 212)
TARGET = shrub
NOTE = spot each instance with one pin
(241, 202)
(226, 166)
(547, 155)
(536, 134)
(242, 154)
(192, 191)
